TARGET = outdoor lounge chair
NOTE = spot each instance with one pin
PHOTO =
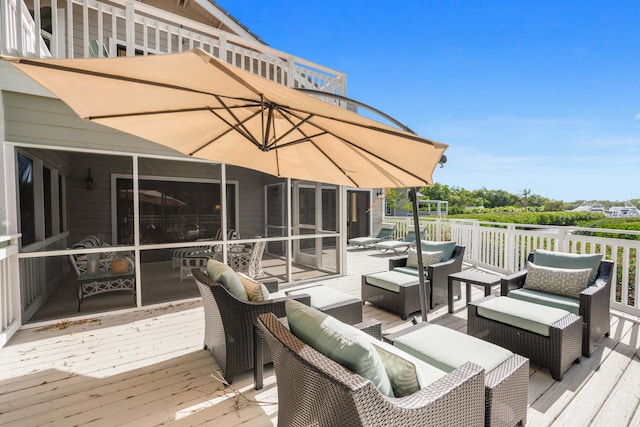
(437, 274)
(593, 303)
(399, 246)
(229, 323)
(315, 390)
(387, 232)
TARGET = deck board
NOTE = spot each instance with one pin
(148, 367)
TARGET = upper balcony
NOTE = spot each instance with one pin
(91, 28)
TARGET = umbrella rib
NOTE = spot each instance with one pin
(231, 128)
(110, 76)
(136, 80)
(293, 127)
(350, 144)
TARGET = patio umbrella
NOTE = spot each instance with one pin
(206, 108)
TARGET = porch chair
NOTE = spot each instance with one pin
(387, 232)
(399, 246)
(249, 263)
(437, 273)
(592, 303)
(229, 321)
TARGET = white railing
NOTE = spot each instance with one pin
(504, 248)
(19, 32)
(10, 316)
(91, 28)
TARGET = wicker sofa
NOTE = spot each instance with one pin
(437, 274)
(315, 390)
(229, 323)
(593, 304)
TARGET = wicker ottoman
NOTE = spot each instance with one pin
(395, 291)
(337, 304)
(506, 374)
(549, 337)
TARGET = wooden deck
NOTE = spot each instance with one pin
(147, 367)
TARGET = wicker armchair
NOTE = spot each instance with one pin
(438, 275)
(315, 390)
(229, 324)
(594, 303)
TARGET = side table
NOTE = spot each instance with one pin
(471, 277)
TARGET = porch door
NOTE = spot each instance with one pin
(276, 217)
(358, 218)
(307, 219)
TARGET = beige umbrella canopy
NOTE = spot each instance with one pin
(205, 108)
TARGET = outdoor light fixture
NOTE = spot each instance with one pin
(380, 194)
(89, 182)
(443, 160)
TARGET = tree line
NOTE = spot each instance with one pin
(462, 200)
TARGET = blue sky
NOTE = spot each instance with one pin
(539, 95)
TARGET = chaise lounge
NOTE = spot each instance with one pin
(387, 232)
(399, 246)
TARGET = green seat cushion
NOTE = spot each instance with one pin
(406, 373)
(228, 278)
(323, 296)
(559, 281)
(572, 305)
(392, 244)
(535, 318)
(447, 349)
(391, 280)
(446, 248)
(428, 258)
(338, 341)
(407, 270)
(567, 260)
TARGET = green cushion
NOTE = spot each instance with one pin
(559, 281)
(428, 258)
(228, 278)
(391, 280)
(524, 315)
(340, 342)
(323, 296)
(386, 230)
(407, 270)
(566, 260)
(447, 349)
(406, 373)
(446, 248)
(572, 305)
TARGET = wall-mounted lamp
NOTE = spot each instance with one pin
(380, 194)
(443, 160)
(89, 182)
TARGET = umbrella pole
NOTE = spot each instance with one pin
(424, 294)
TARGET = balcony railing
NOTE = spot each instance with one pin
(91, 28)
(504, 248)
(10, 316)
